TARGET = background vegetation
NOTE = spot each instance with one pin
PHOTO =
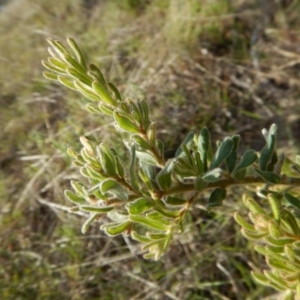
(233, 66)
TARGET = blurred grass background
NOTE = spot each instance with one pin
(233, 66)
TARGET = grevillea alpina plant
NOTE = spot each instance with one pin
(148, 197)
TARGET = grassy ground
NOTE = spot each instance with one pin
(230, 65)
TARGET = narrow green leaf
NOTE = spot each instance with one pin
(89, 158)
(57, 46)
(252, 235)
(115, 91)
(247, 160)
(72, 153)
(53, 53)
(140, 142)
(216, 197)
(88, 222)
(291, 255)
(151, 134)
(118, 216)
(290, 221)
(105, 109)
(253, 206)
(161, 147)
(164, 176)
(188, 139)
(279, 241)
(275, 249)
(57, 63)
(150, 172)
(275, 281)
(267, 151)
(242, 222)
(50, 76)
(79, 76)
(66, 57)
(86, 91)
(183, 167)
(204, 146)
(274, 231)
(74, 198)
(139, 206)
(90, 173)
(292, 200)
(132, 170)
(268, 176)
(281, 265)
(113, 229)
(175, 201)
(77, 52)
(79, 188)
(149, 255)
(263, 250)
(275, 205)
(102, 91)
(158, 217)
(132, 109)
(199, 163)
(187, 155)
(222, 153)
(112, 187)
(273, 161)
(53, 68)
(87, 145)
(146, 158)
(125, 124)
(145, 113)
(260, 278)
(107, 160)
(173, 214)
(213, 175)
(157, 236)
(97, 73)
(96, 209)
(145, 179)
(68, 82)
(148, 222)
(120, 169)
(140, 238)
(92, 109)
(97, 193)
(79, 159)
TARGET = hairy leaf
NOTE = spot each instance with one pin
(268, 176)
(222, 152)
(113, 229)
(148, 222)
(216, 197)
(88, 222)
(140, 205)
(213, 175)
(112, 187)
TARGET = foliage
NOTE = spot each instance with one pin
(149, 197)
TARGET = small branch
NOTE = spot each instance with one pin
(227, 182)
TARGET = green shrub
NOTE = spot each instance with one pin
(148, 197)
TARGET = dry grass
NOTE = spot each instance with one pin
(233, 67)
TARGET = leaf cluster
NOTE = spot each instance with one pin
(275, 232)
(149, 197)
